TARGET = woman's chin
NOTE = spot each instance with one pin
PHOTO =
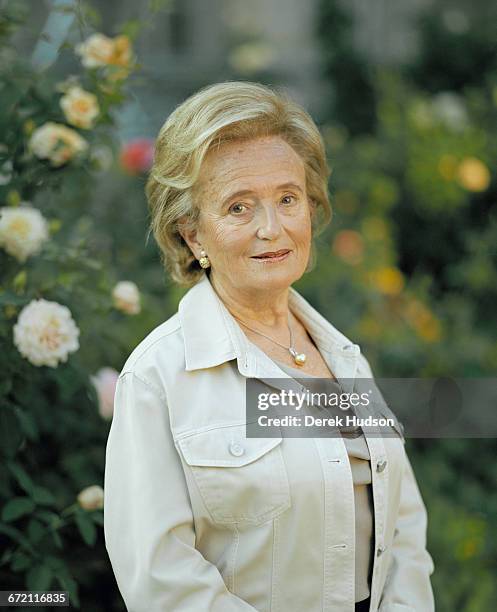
(272, 277)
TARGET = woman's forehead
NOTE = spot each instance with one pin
(266, 161)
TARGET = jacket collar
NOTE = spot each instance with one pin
(212, 336)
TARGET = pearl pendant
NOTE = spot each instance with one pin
(300, 359)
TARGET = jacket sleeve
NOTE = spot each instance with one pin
(407, 587)
(148, 521)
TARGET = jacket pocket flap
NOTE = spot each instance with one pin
(224, 447)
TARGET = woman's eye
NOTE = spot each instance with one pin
(237, 208)
(288, 197)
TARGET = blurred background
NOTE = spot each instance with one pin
(405, 95)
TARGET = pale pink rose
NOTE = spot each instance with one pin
(97, 50)
(126, 297)
(80, 107)
(91, 498)
(105, 381)
(57, 143)
(100, 50)
(45, 333)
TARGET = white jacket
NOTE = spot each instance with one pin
(199, 518)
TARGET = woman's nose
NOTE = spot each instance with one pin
(269, 224)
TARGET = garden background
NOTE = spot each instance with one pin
(405, 94)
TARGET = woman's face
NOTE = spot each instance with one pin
(253, 201)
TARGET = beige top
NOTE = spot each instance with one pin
(359, 458)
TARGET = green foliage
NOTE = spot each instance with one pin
(52, 436)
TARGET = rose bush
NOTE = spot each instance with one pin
(60, 307)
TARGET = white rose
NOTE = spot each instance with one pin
(91, 498)
(56, 142)
(127, 297)
(105, 383)
(45, 333)
(80, 107)
(23, 230)
(97, 50)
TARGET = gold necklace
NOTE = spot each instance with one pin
(299, 358)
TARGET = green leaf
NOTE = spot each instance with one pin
(17, 507)
(68, 583)
(97, 517)
(10, 298)
(56, 563)
(5, 387)
(39, 578)
(131, 28)
(87, 528)
(93, 264)
(43, 496)
(10, 433)
(22, 476)
(27, 423)
(6, 557)
(20, 562)
(17, 536)
(19, 282)
(36, 531)
(49, 517)
(56, 538)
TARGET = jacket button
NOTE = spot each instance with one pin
(236, 449)
(381, 465)
(380, 550)
(352, 348)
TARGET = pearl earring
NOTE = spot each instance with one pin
(204, 260)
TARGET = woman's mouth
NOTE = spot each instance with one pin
(273, 256)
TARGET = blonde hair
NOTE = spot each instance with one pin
(219, 113)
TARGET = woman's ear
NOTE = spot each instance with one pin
(190, 236)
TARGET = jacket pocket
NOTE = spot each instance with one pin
(241, 480)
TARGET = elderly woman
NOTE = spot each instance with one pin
(199, 517)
